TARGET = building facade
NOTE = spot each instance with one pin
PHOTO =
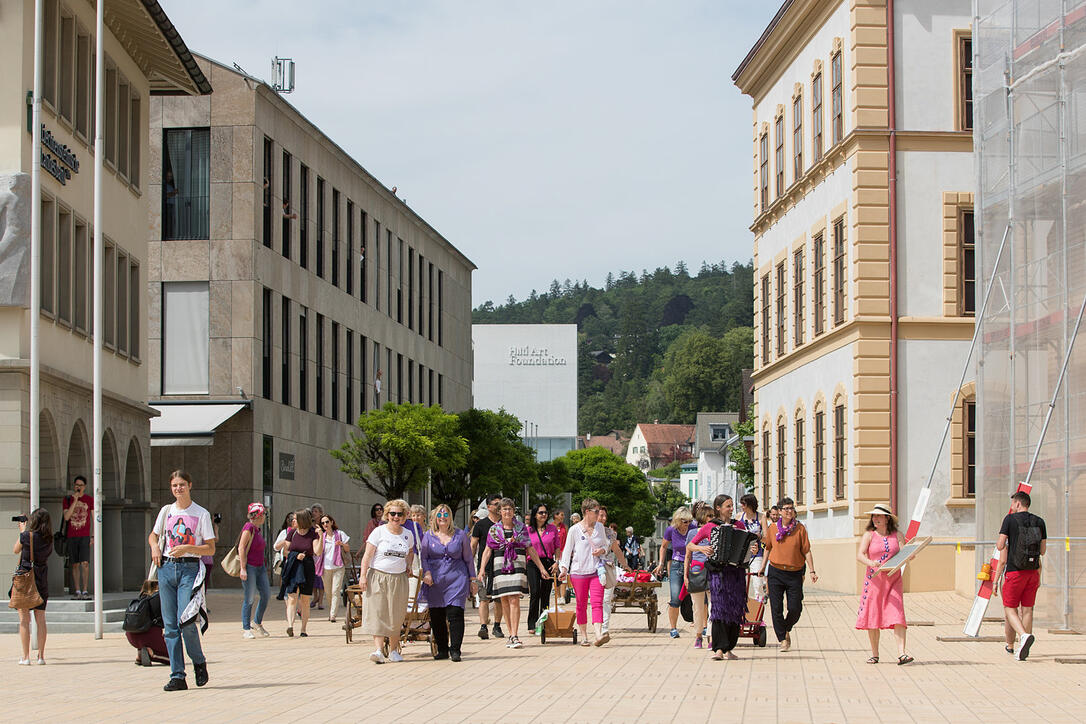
(654, 445)
(290, 292)
(530, 371)
(144, 57)
(713, 433)
(863, 249)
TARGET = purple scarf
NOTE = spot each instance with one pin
(496, 540)
(783, 532)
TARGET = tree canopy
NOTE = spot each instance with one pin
(599, 473)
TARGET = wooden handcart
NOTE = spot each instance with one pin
(558, 624)
(638, 594)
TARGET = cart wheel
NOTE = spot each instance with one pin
(760, 641)
(543, 635)
(569, 593)
(574, 635)
(433, 645)
(385, 647)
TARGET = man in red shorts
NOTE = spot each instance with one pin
(1021, 543)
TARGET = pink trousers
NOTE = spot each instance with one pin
(582, 587)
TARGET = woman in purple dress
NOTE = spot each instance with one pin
(448, 572)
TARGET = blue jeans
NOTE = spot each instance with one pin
(675, 581)
(175, 582)
(256, 580)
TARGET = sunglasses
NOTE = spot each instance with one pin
(397, 513)
(442, 515)
(326, 522)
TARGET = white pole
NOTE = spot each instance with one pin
(99, 253)
(35, 276)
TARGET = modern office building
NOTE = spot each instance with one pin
(862, 190)
(290, 292)
(530, 371)
(144, 58)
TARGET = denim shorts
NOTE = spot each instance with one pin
(675, 581)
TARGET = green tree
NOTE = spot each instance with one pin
(599, 473)
(741, 462)
(399, 445)
(667, 497)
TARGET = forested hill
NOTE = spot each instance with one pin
(663, 345)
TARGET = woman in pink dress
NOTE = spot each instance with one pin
(882, 603)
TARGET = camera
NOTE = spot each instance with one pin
(217, 518)
(18, 519)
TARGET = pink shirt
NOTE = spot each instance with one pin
(546, 544)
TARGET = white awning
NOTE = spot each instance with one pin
(195, 424)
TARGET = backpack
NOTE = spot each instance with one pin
(1025, 555)
(142, 614)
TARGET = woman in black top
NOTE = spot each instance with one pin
(302, 546)
(40, 526)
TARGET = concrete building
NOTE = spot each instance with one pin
(862, 181)
(290, 292)
(144, 59)
(530, 371)
(654, 445)
(713, 431)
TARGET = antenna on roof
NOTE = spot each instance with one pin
(283, 73)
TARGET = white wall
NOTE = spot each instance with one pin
(634, 455)
(544, 394)
(924, 50)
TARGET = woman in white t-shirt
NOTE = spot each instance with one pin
(390, 550)
(330, 566)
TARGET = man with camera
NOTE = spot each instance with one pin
(77, 514)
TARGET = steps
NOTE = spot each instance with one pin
(64, 615)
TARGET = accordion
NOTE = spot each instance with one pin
(731, 547)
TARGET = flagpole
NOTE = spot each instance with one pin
(99, 253)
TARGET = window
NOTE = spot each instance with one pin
(320, 365)
(185, 338)
(440, 308)
(839, 277)
(967, 271)
(778, 159)
(109, 133)
(285, 392)
(410, 381)
(410, 288)
(335, 238)
(266, 346)
(763, 169)
(83, 72)
(839, 452)
(819, 284)
(49, 52)
(47, 267)
(782, 302)
(134, 296)
(121, 304)
(109, 291)
(799, 447)
(399, 281)
(430, 396)
(303, 359)
(121, 113)
(399, 378)
(820, 456)
(134, 137)
(765, 465)
(440, 390)
(718, 432)
(798, 300)
(320, 227)
(816, 117)
(422, 302)
(780, 460)
(80, 276)
(388, 272)
(363, 276)
(363, 378)
(969, 410)
(349, 397)
(335, 370)
(797, 138)
(303, 217)
(837, 99)
(268, 173)
(286, 213)
(67, 70)
(376, 264)
(349, 266)
(64, 265)
(431, 297)
(765, 319)
(965, 83)
(422, 384)
(186, 185)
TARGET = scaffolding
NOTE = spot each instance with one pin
(1029, 90)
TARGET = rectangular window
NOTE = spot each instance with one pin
(349, 266)
(134, 295)
(399, 281)
(800, 483)
(778, 130)
(430, 396)
(819, 284)
(67, 69)
(440, 390)
(266, 345)
(349, 378)
(766, 481)
(766, 321)
(820, 457)
(837, 99)
(122, 127)
(80, 275)
(763, 169)
(47, 268)
(839, 276)
(965, 83)
(303, 359)
(134, 138)
(798, 294)
(782, 305)
(440, 308)
(363, 378)
(377, 375)
(422, 301)
(109, 291)
(969, 408)
(303, 217)
(334, 372)
(285, 372)
(388, 272)
(376, 265)
(839, 452)
(186, 186)
(83, 72)
(287, 212)
(967, 265)
(391, 373)
(411, 381)
(49, 52)
(431, 297)
(185, 338)
(320, 227)
(64, 265)
(816, 117)
(335, 237)
(797, 138)
(410, 288)
(399, 378)
(320, 364)
(781, 478)
(121, 296)
(268, 183)
(363, 275)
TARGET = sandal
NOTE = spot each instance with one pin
(718, 656)
(1009, 649)
(585, 642)
(873, 660)
(904, 659)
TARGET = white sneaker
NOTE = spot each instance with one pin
(1024, 644)
(247, 634)
(41, 662)
(378, 658)
(261, 630)
(24, 662)
(395, 657)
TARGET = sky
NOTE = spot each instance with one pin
(545, 140)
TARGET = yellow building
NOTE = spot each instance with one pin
(864, 291)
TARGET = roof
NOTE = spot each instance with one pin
(151, 40)
(762, 39)
(704, 420)
(656, 434)
(609, 442)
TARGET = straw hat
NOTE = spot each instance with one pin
(881, 509)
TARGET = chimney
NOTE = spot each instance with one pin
(588, 437)
(656, 421)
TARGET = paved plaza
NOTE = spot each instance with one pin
(638, 677)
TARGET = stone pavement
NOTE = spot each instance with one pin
(638, 677)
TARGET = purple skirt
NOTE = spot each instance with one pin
(728, 595)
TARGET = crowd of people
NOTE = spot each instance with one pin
(408, 551)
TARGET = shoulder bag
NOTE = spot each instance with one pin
(698, 578)
(231, 562)
(24, 589)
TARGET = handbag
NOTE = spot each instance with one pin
(24, 589)
(231, 562)
(697, 579)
